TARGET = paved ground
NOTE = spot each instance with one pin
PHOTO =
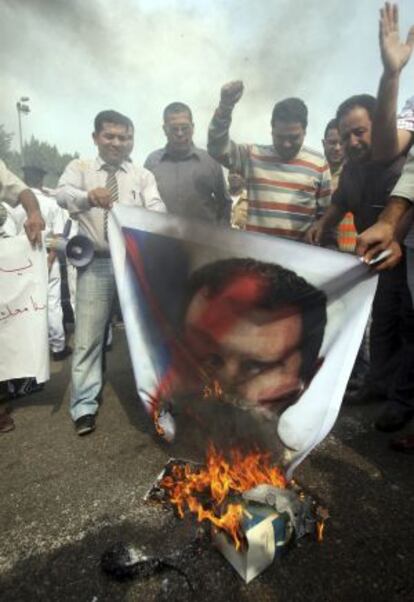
(65, 499)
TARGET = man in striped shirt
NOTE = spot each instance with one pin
(288, 185)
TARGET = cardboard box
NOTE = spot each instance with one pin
(266, 533)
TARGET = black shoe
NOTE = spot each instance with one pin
(392, 419)
(59, 356)
(85, 424)
(19, 387)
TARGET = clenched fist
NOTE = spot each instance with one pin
(231, 93)
(100, 197)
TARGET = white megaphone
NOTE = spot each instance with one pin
(79, 250)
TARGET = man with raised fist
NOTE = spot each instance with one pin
(288, 184)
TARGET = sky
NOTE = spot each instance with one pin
(74, 58)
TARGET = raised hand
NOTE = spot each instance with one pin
(394, 53)
(231, 93)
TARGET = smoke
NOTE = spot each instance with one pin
(75, 58)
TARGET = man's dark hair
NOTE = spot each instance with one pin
(290, 110)
(33, 176)
(112, 117)
(331, 125)
(176, 107)
(366, 101)
(282, 287)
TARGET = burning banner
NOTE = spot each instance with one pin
(237, 338)
(242, 346)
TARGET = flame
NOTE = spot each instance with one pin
(320, 526)
(158, 427)
(216, 483)
(213, 390)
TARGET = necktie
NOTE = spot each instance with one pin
(112, 186)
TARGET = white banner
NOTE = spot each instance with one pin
(237, 336)
(24, 350)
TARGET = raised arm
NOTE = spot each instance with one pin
(219, 145)
(387, 141)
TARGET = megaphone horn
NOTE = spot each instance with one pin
(80, 251)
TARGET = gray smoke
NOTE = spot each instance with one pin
(74, 58)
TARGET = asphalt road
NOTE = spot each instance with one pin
(66, 499)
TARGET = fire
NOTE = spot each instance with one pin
(320, 526)
(158, 427)
(213, 389)
(217, 483)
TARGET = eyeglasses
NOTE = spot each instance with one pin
(179, 129)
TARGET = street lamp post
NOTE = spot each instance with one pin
(22, 107)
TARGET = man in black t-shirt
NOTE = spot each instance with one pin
(367, 127)
(364, 187)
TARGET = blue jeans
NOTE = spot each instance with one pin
(94, 297)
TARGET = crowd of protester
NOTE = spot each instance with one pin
(355, 198)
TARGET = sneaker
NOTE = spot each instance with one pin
(6, 423)
(59, 356)
(85, 424)
(392, 419)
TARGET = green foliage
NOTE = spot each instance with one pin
(5, 142)
(11, 158)
(36, 153)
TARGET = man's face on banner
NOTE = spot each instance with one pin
(254, 354)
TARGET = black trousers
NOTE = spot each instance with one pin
(392, 338)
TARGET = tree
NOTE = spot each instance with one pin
(42, 154)
(36, 153)
(5, 142)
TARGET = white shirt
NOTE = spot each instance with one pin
(136, 186)
(10, 186)
(52, 214)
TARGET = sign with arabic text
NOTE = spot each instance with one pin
(23, 310)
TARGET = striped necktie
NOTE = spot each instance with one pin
(112, 186)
